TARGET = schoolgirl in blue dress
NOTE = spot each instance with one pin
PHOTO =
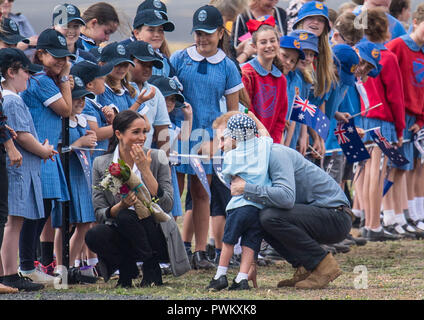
(48, 98)
(206, 74)
(25, 197)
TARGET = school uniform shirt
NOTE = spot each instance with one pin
(268, 95)
(93, 112)
(156, 112)
(42, 91)
(387, 89)
(122, 100)
(249, 160)
(86, 43)
(25, 192)
(411, 63)
(203, 92)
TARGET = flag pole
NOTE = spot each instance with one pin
(366, 110)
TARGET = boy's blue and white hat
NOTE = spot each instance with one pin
(370, 53)
(310, 9)
(346, 60)
(289, 42)
(241, 127)
(307, 39)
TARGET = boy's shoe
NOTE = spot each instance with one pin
(38, 276)
(77, 275)
(21, 283)
(242, 285)
(218, 284)
(200, 261)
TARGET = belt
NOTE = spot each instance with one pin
(348, 211)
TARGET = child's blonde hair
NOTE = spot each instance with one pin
(223, 119)
(116, 86)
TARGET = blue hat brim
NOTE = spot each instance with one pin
(307, 46)
(156, 62)
(61, 53)
(312, 15)
(179, 97)
(80, 93)
(203, 28)
(105, 70)
(117, 61)
(168, 26)
(13, 39)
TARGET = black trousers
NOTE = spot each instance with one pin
(127, 242)
(3, 193)
(296, 234)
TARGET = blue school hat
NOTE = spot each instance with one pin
(370, 53)
(79, 90)
(207, 19)
(65, 13)
(307, 39)
(115, 53)
(310, 9)
(8, 56)
(96, 52)
(153, 18)
(143, 51)
(152, 4)
(10, 32)
(289, 42)
(346, 60)
(168, 87)
(88, 71)
(54, 43)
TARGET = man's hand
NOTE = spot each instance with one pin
(237, 186)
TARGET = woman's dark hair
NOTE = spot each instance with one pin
(121, 123)
(397, 6)
(102, 11)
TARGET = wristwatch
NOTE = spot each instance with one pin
(64, 79)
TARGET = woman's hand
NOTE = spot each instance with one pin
(66, 70)
(141, 159)
(129, 200)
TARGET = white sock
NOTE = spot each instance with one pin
(237, 247)
(77, 263)
(400, 219)
(377, 229)
(241, 276)
(358, 213)
(389, 217)
(221, 271)
(412, 210)
(92, 261)
(419, 205)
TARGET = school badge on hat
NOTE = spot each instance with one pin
(120, 49)
(202, 15)
(62, 40)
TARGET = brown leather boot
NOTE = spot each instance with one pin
(326, 271)
(300, 274)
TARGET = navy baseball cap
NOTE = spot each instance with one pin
(152, 4)
(79, 90)
(370, 53)
(8, 56)
(154, 18)
(87, 71)
(10, 32)
(143, 51)
(289, 42)
(115, 53)
(207, 19)
(65, 13)
(54, 43)
(310, 9)
(307, 39)
(346, 60)
(168, 87)
(96, 52)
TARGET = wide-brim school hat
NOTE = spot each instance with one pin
(11, 55)
(54, 43)
(207, 19)
(307, 39)
(143, 51)
(115, 53)
(154, 18)
(289, 42)
(346, 60)
(310, 9)
(65, 13)
(88, 71)
(79, 90)
(168, 87)
(370, 53)
(10, 32)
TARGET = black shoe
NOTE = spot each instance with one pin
(356, 223)
(152, 274)
(419, 234)
(364, 232)
(400, 231)
(200, 261)
(127, 283)
(75, 276)
(329, 248)
(382, 235)
(340, 247)
(166, 270)
(21, 283)
(218, 284)
(210, 252)
(271, 253)
(362, 223)
(103, 270)
(358, 241)
(242, 285)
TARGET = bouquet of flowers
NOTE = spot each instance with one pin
(119, 179)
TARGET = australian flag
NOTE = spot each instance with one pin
(389, 150)
(197, 166)
(85, 163)
(311, 115)
(350, 141)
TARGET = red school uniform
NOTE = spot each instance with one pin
(411, 63)
(268, 96)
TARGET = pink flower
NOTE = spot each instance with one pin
(124, 189)
(115, 169)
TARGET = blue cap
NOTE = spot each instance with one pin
(168, 87)
(87, 71)
(79, 91)
(307, 39)
(289, 42)
(152, 4)
(346, 60)
(153, 18)
(310, 9)
(115, 53)
(65, 13)
(370, 53)
(207, 19)
(10, 32)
